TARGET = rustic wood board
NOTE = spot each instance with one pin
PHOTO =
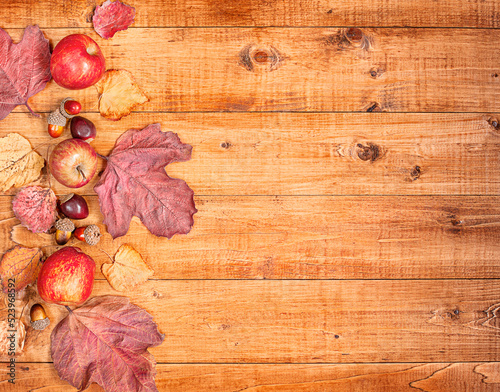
(429, 377)
(346, 172)
(313, 154)
(334, 69)
(322, 237)
(196, 13)
(310, 321)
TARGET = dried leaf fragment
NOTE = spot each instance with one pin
(111, 17)
(36, 207)
(20, 267)
(118, 94)
(128, 270)
(105, 341)
(19, 164)
(7, 326)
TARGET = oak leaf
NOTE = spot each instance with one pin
(135, 183)
(105, 341)
(118, 94)
(128, 270)
(111, 17)
(25, 68)
(20, 267)
(36, 208)
(19, 164)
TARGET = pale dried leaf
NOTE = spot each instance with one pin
(19, 164)
(7, 326)
(22, 236)
(118, 94)
(128, 270)
(19, 267)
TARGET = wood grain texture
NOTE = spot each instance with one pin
(419, 13)
(432, 377)
(311, 154)
(332, 69)
(221, 321)
(307, 238)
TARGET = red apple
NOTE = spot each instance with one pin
(73, 163)
(66, 277)
(77, 62)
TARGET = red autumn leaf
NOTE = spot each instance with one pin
(25, 68)
(105, 341)
(36, 208)
(109, 18)
(135, 183)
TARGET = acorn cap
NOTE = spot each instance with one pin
(65, 225)
(56, 118)
(40, 324)
(92, 234)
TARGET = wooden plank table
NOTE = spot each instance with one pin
(346, 171)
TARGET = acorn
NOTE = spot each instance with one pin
(39, 319)
(56, 123)
(89, 234)
(68, 108)
(64, 228)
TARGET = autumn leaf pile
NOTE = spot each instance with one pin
(106, 339)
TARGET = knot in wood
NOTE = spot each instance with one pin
(354, 34)
(260, 58)
(493, 121)
(415, 173)
(376, 72)
(370, 152)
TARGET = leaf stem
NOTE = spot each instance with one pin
(102, 156)
(31, 111)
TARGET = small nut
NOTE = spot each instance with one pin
(64, 227)
(39, 319)
(92, 234)
(62, 237)
(63, 111)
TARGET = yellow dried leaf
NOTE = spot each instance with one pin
(20, 267)
(118, 94)
(128, 270)
(19, 164)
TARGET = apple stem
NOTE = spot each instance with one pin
(102, 156)
(81, 172)
(68, 308)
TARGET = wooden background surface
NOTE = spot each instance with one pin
(346, 172)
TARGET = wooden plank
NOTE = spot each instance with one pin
(310, 154)
(221, 321)
(419, 13)
(332, 69)
(309, 238)
(434, 377)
